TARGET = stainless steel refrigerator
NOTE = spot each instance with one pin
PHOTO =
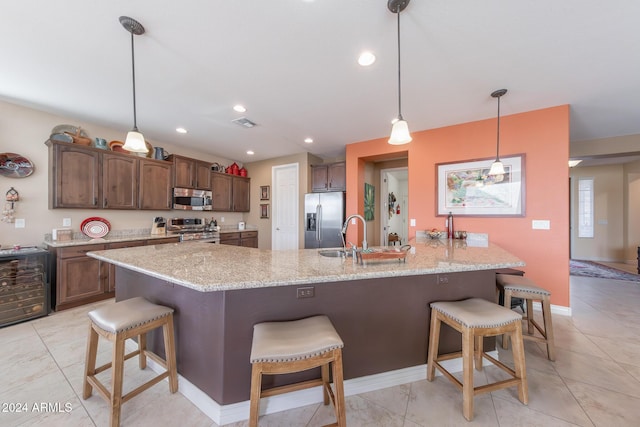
(324, 217)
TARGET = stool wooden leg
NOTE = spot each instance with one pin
(170, 354)
(116, 381)
(477, 351)
(434, 341)
(467, 373)
(530, 328)
(324, 370)
(517, 347)
(507, 303)
(548, 328)
(338, 383)
(142, 347)
(90, 362)
(256, 385)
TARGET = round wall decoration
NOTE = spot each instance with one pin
(14, 165)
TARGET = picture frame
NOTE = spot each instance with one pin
(264, 192)
(264, 210)
(466, 189)
(369, 202)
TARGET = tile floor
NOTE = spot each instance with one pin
(595, 380)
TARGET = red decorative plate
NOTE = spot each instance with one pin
(95, 227)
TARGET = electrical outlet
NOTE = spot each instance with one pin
(443, 279)
(221, 219)
(20, 223)
(412, 222)
(66, 222)
(306, 292)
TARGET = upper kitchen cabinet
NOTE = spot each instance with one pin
(119, 181)
(89, 178)
(328, 177)
(230, 192)
(74, 180)
(191, 173)
(155, 185)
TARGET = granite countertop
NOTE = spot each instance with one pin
(210, 267)
(81, 239)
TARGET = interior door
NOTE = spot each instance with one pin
(285, 207)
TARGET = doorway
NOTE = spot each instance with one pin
(394, 197)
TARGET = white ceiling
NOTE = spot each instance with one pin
(292, 63)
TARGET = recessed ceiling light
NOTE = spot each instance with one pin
(181, 130)
(308, 140)
(366, 58)
(239, 108)
(250, 152)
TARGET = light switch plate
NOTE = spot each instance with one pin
(540, 224)
(413, 222)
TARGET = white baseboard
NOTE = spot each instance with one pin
(555, 309)
(225, 414)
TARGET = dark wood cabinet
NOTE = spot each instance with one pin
(231, 193)
(155, 185)
(247, 239)
(119, 181)
(74, 180)
(191, 173)
(328, 177)
(89, 178)
(80, 279)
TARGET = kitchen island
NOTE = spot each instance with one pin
(380, 309)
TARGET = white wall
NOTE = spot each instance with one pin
(24, 131)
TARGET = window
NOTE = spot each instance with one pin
(585, 207)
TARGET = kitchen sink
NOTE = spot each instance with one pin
(334, 253)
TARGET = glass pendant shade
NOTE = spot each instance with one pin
(135, 142)
(400, 133)
(497, 168)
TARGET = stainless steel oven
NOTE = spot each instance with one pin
(192, 229)
(192, 199)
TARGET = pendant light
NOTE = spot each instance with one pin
(497, 168)
(400, 130)
(135, 140)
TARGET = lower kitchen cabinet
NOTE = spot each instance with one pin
(247, 239)
(80, 279)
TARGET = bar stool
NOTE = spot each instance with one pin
(521, 287)
(294, 346)
(118, 322)
(475, 319)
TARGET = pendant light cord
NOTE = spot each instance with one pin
(399, 84)
(498, 133)
(133, 72)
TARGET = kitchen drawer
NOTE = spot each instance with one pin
(76, 251)
(163, 241)
(248, 234)
(224, 237)
(129, 244)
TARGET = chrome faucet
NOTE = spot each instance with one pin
(364, 225)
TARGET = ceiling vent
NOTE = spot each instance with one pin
(244, 122)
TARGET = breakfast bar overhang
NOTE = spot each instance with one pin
(380, 309)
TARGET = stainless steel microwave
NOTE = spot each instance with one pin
(192, 199)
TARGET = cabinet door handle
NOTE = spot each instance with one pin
(95, 201)
(105, 201)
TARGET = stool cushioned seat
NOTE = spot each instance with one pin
(520, 283)
(127, 314)
(294, 340)
(476, 313)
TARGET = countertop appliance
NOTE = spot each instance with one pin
(192, 229)
(192, 199)
(24, 284)
(324, 215)
(159, 226)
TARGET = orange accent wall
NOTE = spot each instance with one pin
(542, 135)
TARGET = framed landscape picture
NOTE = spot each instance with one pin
(466, 188)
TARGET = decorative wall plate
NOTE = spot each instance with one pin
(14, 165)
(95, 227)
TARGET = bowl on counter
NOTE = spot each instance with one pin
(435, 234)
